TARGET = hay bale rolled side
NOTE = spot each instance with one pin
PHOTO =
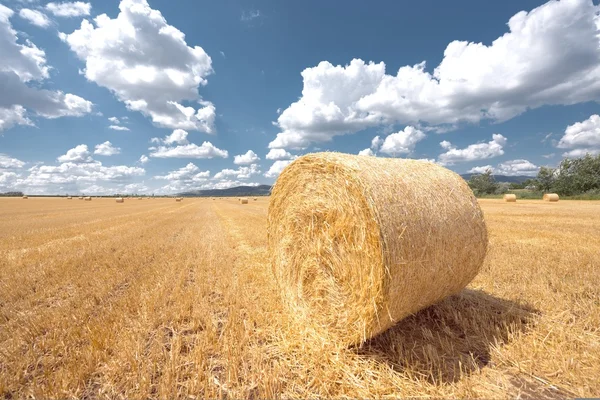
(119, 200)
(25, 197)
(88, 198)
(244, 201)
(80, 197)
(358, 243)
(178, 199)
(510, 198)
(552, 197)
(69, 198)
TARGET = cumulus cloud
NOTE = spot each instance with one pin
(509, 168)
(240, 173)
(550, 55)
(69, 9)
(118, 128)
(22, 68)
(106, 149)
(206, 150)
(114, 120)
(376, 143)
(243, 159)
(278, 154)
(367, 152)
(581, 138)
(276, 168)
(190, 172)
(178, 136)
(7, 162)
(147, 64)
(402, 142)
(143, 159)
(35, 17)
(473, 152)
(78, 154)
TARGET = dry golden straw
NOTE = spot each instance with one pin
(511, 198)
(244, 201)
(358, 243)
(553, 197)
(88, 199)
(119, 200)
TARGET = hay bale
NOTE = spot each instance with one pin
(25, 197)
(358, 243)
(69, 197)
(80, 197)
(178, 199)
(510, 198)
(255, 199)
(244, 201)
(552, 197)
(88, 198)
(119, 200)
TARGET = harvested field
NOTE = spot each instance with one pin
(162, 299)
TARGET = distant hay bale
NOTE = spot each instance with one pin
(178, 199)
(80, 197)
(139, 198)
(25, 197)
(119, 200)
(255, 199)
(358, 243)
(69, 197)
(510, 198)
(244, 201)
(88, 199)
(552, 197)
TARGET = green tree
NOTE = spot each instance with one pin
(483, 183)
(545, 179)
(578, 176)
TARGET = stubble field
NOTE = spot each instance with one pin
(158, 299)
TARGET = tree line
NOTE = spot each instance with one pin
(572, 177)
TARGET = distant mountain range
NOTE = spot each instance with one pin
(264, 190)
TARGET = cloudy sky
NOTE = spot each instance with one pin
(163, 96)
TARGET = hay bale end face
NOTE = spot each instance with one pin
(510, 198)
(551, 197)
(119, 200)
(358, 243)
(244, 201)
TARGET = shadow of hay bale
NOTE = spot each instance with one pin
(451, 339)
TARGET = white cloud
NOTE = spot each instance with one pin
(549, 56)
(509, 168)
(22, 69)
(480, 170)
(367, 152)
(206, 150)
(402, 142)
(78, 154)
(226, 184)
(248, 16)
(582, 138)
(276, 168)
(35, 17)
(143, 159)
(278, 154)
(376, 143)
(240, 173)
(135, 188)
(114, 120)
(107, 149)
(118, 128)
(178, 136)
(473, 152)
(147, 64)
(7, 162)
(69, 9)
(249, 158)
(188, 173)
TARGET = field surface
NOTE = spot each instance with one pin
(158, 299)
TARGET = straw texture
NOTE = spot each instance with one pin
(511, 198)
(244, 201)
(119, 200)
(553, 197)
(358, 243)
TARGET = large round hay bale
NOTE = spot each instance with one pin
(25, 197)
(178, 199)
(244, 201)
(358, 243)
(511, 198)
(69, 197)
(88, 199)
(119, 200)
(550, 197)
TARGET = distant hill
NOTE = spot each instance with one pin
(503, 178)
(262, 190)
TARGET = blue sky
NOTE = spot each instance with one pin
(161, 96)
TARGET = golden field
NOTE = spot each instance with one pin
(161, 299)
